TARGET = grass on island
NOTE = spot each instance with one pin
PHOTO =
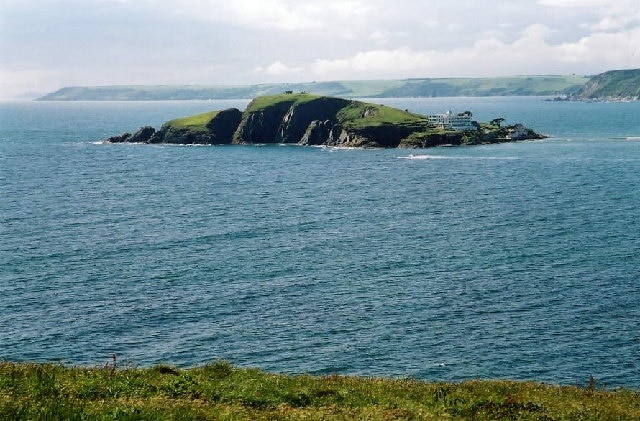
(266, 101)
(30, 391)
(361, 114)
(196, 122)
(355, 113)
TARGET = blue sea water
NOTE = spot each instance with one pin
(516, 261)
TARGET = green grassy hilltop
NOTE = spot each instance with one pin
(219, 391)
(612, 85)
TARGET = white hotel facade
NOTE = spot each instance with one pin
(453, 121)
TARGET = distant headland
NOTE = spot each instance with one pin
(612, 85)
(306, 119)
(402, 88)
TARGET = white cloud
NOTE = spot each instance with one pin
(574, 3)
(287, 15)
(602, 15)
(45, 45)
(277, 69)
(385, 38)
(531, 53)
(613, 50)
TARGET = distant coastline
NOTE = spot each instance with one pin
(613, 85)
(405, 88)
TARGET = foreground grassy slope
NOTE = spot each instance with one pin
(220, 391)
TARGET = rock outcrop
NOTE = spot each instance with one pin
(205, 129)
(143, 135)
(305, 119)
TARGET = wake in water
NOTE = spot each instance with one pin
(424, 157)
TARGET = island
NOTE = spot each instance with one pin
(313, 120)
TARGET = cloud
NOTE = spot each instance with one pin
(574, 3)
(50, 44)
(613, 50)
(383, 38)
(531, 53)
(602, 15)
(277, 68)
(286, 15)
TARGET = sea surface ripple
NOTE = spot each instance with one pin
(513, 261)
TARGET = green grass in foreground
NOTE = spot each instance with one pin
(31, 391)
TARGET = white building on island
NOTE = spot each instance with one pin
(453, 121)
(518, 132)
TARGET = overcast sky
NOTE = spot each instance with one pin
(49, 44)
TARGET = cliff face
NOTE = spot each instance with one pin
(340, 122)
(305, 121)
(261, 124)
(301, 119)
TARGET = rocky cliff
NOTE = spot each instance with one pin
(318, 120)
(308, 120)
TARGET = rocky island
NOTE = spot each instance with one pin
(306, 119)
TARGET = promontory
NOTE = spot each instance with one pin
(305, 119)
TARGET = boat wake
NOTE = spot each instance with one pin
(626, 138)
(425, 157)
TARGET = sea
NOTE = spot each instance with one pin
(509, 261)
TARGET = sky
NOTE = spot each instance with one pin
(49, 44)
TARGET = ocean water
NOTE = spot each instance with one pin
(516, 261)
